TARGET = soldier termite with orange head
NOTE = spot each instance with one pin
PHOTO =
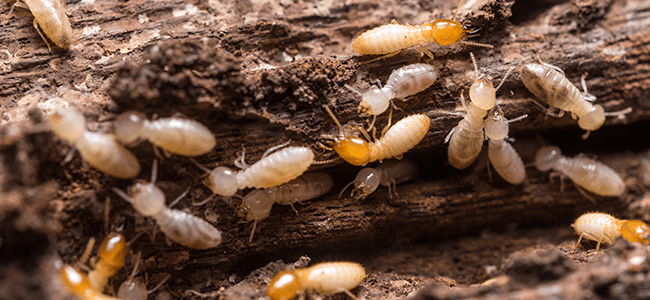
(102, 151)
(387, 173)
(401, 137)
(504, 158)
(179, 226)
(112, 255)
(548, 83)
(51, 17)
(256, 205)
(326, 278)
(403, 82)
(603, 227)
(77, 282)
(175, 135)
(466, 139)
(390, 39)
(585, 172)
(271, 170)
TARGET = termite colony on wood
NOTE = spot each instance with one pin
(279, 176)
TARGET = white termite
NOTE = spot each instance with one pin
(548, 83)
(504, 158)
(102, 151)
(603, 227)
(179, 226)
(403, 82)
(388, 173)
(256, 205)
(50, 16)
(134, 288)
(466, 139)
(175, 134)
(400, 138)
(326, 278)
(585, 172)
(271, 170)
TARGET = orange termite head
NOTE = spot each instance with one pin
(113, 250)
(284, 286)
(74, 280)
(354, 150)
(636, 231)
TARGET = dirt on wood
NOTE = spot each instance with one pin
(259, 74)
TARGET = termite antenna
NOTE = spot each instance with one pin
(123, 195)
(475, 44)
(154, 171)
(207, 171)
(504, 78)
(456, 11)
(329, 111)
(159, 284)
(204, 201)
(345, 188)
(187, 190)
(325, 162)
(476, 72)
(250, 239)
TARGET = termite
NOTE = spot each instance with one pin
(585, 172)
(603, 227)
(175, 135)
(102, 151)
(548, 83)
(397, 140)
(112, 255)
(504, 158)
(466, 139)
(179, 226)
(326, 278)
(134, 288)
(390, 39)
(256, 205)
(271, 170)
(51, 17)
(77, 282)
(403, 82)
(388, 173)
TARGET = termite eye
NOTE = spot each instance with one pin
(353, 150)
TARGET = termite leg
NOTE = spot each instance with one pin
(270, 150)
(589, 97)
(422, 51)
(240, 162)
(382, 57)
(42, 36)
(187, 190)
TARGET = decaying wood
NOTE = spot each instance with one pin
(261, 83)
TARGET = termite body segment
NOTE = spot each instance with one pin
(403, 82)
(585, 172)
(179, 226)
(466, 139)
(274, 169)
(325, 278)
(51, 17)
(391, 38)
(112, 255)
(79, 285)
(504, 158)
(175, 135)
(400, 138)
(388, 173)
(256, 205)
(101, 151)
(552, 87)
(599, 227)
